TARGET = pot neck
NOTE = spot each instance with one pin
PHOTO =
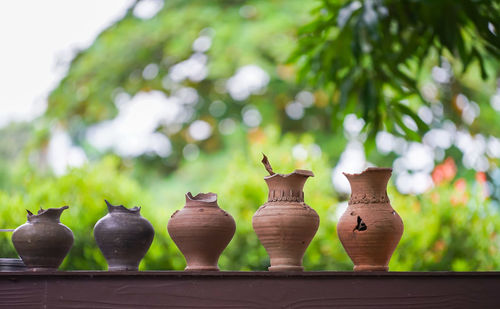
(371, 181)
(201, 199)
(287, 187)
(46, 215)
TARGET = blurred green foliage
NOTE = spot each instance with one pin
(372, 55)
(263, 35)
(448, 228)
(370, 58)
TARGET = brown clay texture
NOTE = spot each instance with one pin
(370, 229)
(124, 237)
(43, 241)
(201, 230)
(285, 225)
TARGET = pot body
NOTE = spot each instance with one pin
(370, 229)
(43, 242)
(124, 237)
(201, 230)
(285, 225)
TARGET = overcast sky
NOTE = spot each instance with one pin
(37, 41)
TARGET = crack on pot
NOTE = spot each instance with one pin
(361, 226)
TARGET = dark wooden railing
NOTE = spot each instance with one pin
(173, 289)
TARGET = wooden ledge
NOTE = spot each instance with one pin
(177, 289)
(311, 274)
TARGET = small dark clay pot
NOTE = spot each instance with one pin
(124, 237)
(201, 230)
(43, 241)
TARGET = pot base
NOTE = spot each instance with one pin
(123, 268)
(36, 269)
(286, 268)
(201, 268)
(370, 268)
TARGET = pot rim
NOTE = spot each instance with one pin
(122, 209)
(369, 170)
(209, 197)
(300, 172)
(54, 213)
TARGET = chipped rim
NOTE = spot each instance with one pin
(209, 197)
(368, 170)
(122, 209)
(306, 173)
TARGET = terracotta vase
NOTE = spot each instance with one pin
(370, 229)
(201, 231)
(43, 241)
(285, 225)
(124, 237)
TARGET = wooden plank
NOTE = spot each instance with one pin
(249, 290)
(16, 293)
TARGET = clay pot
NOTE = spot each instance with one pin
(43, 241)
(124, 237)
(285, 225)
(370, 229)
(201, 231)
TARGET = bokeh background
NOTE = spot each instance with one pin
(139, 102)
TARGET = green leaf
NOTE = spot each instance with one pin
(405, 110)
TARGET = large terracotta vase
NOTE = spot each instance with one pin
(124, 237)
(201, 230)
(370, 229)
(285, 225)
(43, 242)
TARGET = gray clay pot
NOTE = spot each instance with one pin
(124, 237)
(43, 242)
